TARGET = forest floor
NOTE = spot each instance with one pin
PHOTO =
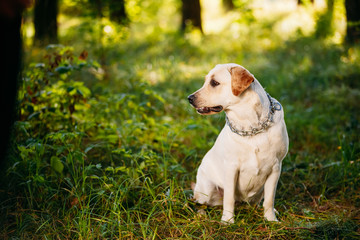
(106, 145)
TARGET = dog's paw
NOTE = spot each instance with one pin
(271, 217)
(227, 222)
(227, 218)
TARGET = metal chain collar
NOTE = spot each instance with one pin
(274, 106)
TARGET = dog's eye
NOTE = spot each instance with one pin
(214, 83)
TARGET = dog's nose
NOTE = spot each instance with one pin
(191, 98)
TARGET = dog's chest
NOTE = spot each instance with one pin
(255, 160)
(252, 177)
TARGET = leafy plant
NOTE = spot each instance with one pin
(49, 95)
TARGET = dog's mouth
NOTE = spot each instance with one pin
(209, 110)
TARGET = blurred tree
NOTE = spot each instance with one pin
(114, 9)
(301, 2)
(228, 5)
(324, 26)
(45, 21)
(117, 11)
(191, 14)
(10, 62)
(353, 21)
(96, 7)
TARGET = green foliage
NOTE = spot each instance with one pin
(324, 27)
(108, 149)
(49, 96)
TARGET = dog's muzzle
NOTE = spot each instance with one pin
(203, 110)
(206, 110)
(191, 99)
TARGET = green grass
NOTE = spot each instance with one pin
(106, 148)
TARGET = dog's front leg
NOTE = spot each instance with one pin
(230, 181)
(269, 193)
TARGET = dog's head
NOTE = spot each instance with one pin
(222, 88)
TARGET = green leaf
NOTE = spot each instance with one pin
(40, 65)
(79, 92)
(63, 69)
(56, 164)
(192, 126)
(96, 65)
(38, 179)
(121, 169)
(109, 169)
(54, 46)
(69, 89)
(89, 148)
(34, 115)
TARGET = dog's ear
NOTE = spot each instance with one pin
(240, 80)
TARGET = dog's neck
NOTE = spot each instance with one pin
(252, 109)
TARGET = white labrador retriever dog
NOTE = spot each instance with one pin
(245, 162)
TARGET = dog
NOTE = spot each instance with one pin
(244, 163)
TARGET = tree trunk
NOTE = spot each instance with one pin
(353, 21)
(117, 11)
(301, 2)
(228, 5)
(191, 14)
(45, 21)
(324, 24)
(10, 68)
